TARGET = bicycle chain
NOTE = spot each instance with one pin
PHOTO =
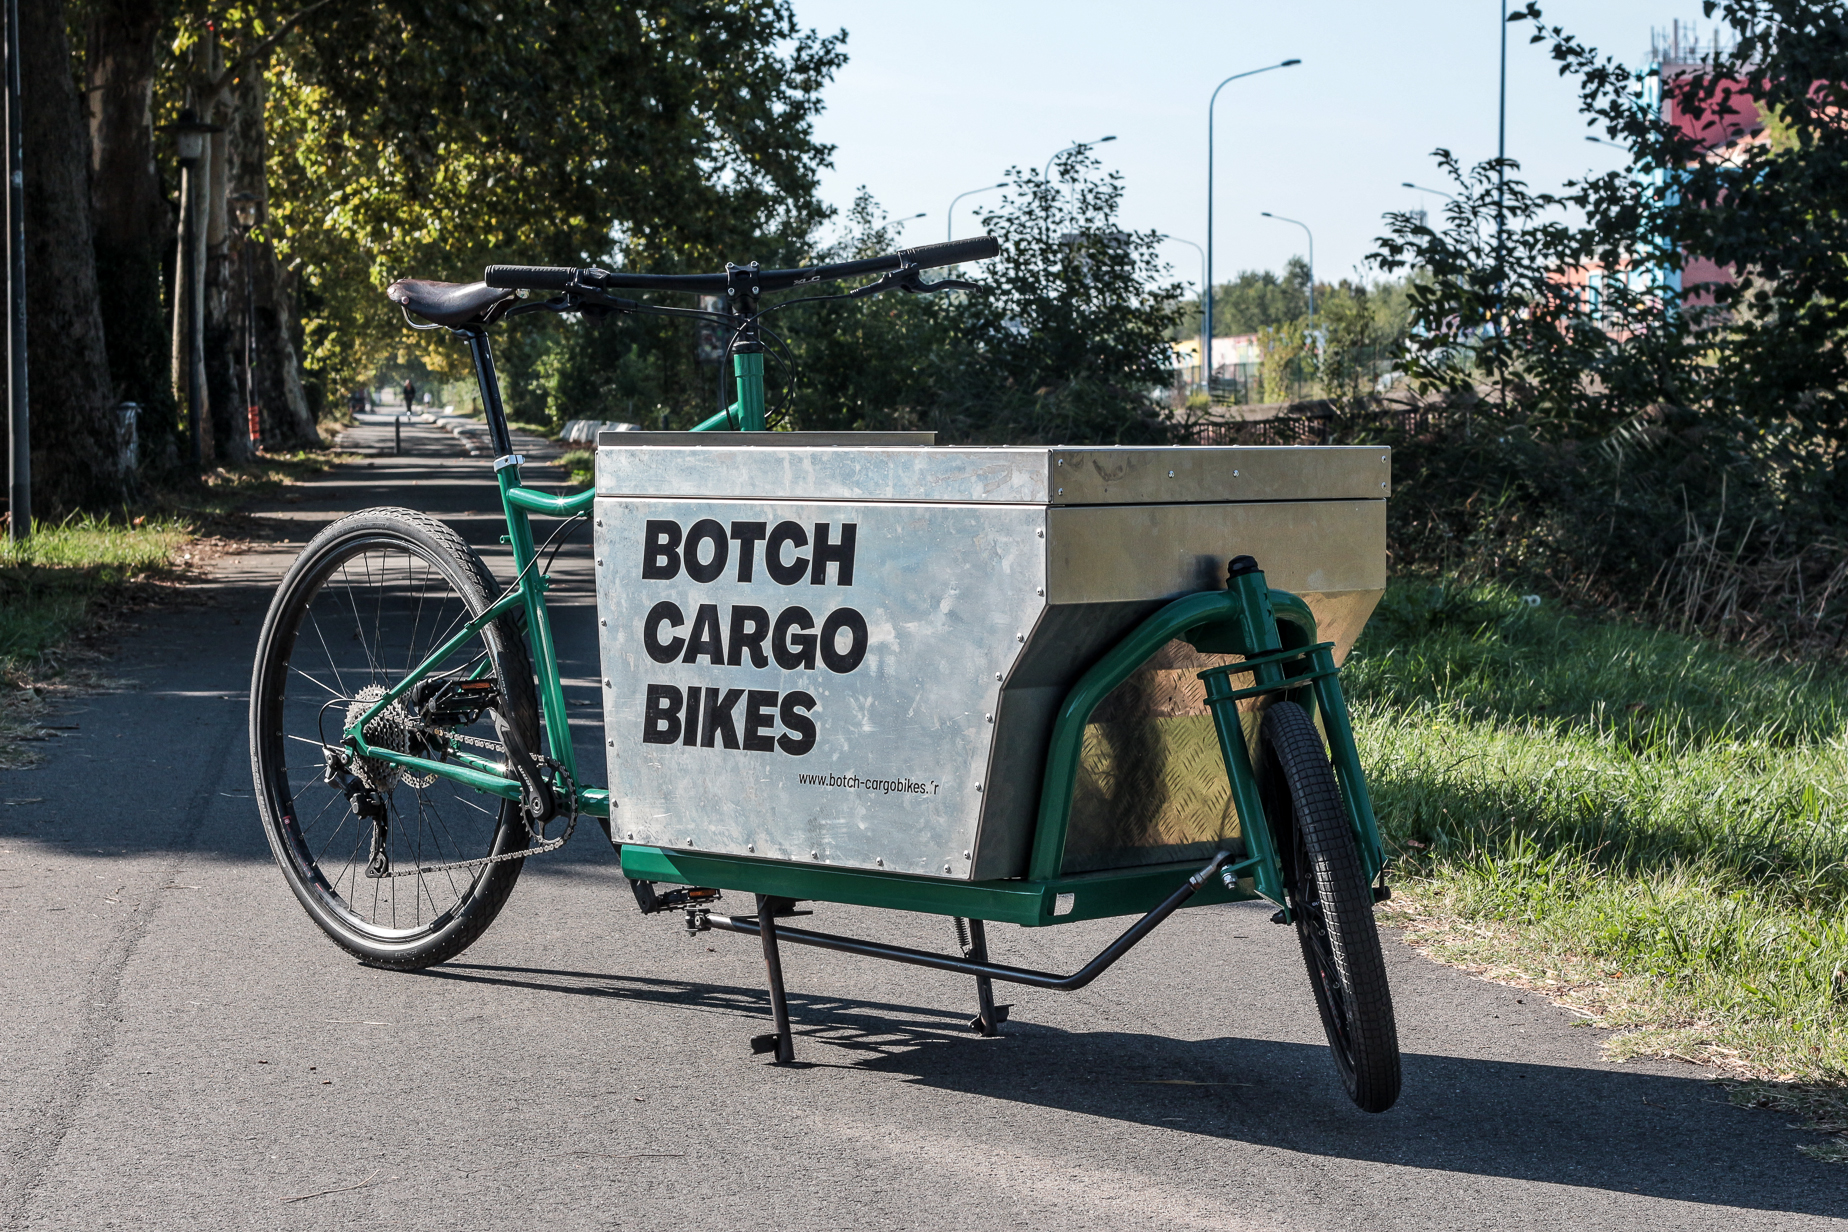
(545, 845)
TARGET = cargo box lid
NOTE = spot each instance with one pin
(903, 466)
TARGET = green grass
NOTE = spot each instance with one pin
(1647, 826)
(580, 466)
(50, 584)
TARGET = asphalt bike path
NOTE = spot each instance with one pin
(181, 1048)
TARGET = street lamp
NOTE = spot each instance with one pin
(1436, 192)
(949, 219)
(188, 357)
(1076, 145)
(900, 222)
(1311, 235)
(1206, 335)
(248, 208)
(1612, 144)
(1206, 297)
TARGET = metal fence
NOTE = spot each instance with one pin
(1315, 423)
(1302, 377)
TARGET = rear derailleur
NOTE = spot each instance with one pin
(367, 804)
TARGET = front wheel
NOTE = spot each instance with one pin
(1327, 891)
(388, 863)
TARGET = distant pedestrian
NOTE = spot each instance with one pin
(410, 394)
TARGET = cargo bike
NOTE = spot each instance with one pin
(1011, 685)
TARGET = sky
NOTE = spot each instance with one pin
(940, 97)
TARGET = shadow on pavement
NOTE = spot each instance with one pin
(1623, 1131)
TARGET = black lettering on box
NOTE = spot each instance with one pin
(749, 627)
(801, 735)
(705, 638)
(718, 721)
(671, 615)
(793, 639)
(837, 660)
(786, 534)
(760, 721)
(660, 550)
(689, 728)
(661, 715)
(747, 535)
(840, 553)
(706, 531)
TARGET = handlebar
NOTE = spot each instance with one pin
(560, 278)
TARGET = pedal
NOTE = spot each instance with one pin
(1280, 917)
(763, 1043)
(686, 896)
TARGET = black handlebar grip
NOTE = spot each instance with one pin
(529, 277)
(955, 252)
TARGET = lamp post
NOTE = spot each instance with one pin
(189, 136)
(1311, 235)
(1436, 192)
(1501, 181)
(900, 222)
(18, 420)
(1206, 295)
(248, 209)
(1206, 336)
(1076, 145)
(949, 218)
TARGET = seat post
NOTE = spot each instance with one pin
(498, 435)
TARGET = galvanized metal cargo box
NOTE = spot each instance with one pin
(847, 649)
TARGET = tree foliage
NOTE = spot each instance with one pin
(430, 140)
(1067, 341)
(1631, 425)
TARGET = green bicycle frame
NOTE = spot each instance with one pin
(1272, 628)
(527, 593)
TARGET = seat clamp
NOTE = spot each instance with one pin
(502, 463)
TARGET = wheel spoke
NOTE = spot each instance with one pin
(397, 601)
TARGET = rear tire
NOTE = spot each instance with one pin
(367, 600)
(1332, 904)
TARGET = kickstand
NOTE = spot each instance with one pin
(780, 1042)
(990, 1016)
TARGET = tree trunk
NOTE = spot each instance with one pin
(133, 221)
(224, 306)
(276, 376)
(75, 460)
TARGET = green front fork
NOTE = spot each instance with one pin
(1256, 632)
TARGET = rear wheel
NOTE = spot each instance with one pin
(1327, 891)
(379, 857)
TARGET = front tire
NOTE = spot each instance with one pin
(367, 600)
(1327, 891)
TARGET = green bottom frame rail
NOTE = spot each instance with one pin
(699, 919)
(1061, 900)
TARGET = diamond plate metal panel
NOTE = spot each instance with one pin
(1152, 786)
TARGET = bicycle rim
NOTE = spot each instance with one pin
(353, 619)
